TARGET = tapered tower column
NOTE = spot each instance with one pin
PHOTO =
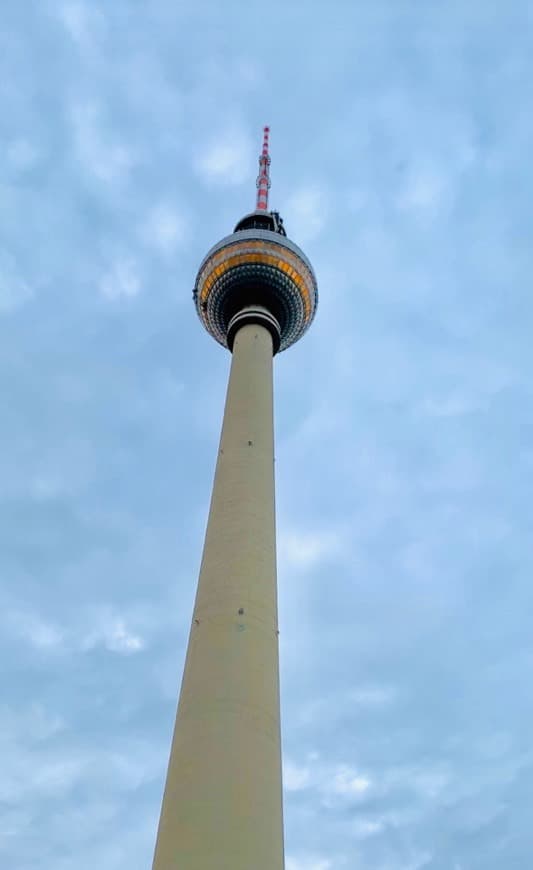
(256, 294)
(222, 802)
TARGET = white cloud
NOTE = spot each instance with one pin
(424, 190)
(306, 212)
(333, 783)
(51, 778)
(103, 156)
(165, 229)
(112, 634)
(122, 280)
(348, 781)
(305, 550)
(34, 630)
(431, 184)
(14, 290)
(295, 778)
(364, 828)
(33, 723)
(35, 765)
(82, 22)
(119, 639)
(227, 160)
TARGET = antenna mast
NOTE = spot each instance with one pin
(263, 179)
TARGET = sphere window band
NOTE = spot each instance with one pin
(242, 259)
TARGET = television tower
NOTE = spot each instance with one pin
(256, 294)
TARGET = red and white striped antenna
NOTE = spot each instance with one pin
(263, 179)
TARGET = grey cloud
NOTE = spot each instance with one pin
(404, 457)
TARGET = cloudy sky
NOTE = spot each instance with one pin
(402, 137)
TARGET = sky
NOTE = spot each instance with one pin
(401, 145)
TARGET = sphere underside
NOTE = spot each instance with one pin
(256, 267)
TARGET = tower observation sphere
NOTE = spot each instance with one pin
(222, 807)
(257, 268)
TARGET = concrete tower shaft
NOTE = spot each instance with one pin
(255, 293)
(222, 806)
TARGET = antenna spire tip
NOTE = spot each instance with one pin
(263, 179)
